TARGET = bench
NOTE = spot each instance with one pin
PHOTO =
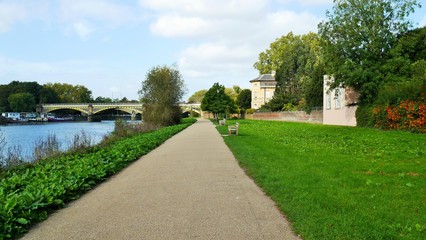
(233, 129)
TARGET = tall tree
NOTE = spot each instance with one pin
(22, 102)
(244, 99)
(161, 92)
(299, 72)
(217, 101)
(357, 38)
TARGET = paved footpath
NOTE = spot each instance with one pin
(191, 187)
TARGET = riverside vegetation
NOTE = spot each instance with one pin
(28, 193)
(337, 182)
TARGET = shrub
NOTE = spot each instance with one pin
(250, 111)
(408, 115)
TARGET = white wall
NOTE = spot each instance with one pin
(336, 109)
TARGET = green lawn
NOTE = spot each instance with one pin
(338, 182)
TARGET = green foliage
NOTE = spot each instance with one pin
(68, 93)
(336, 182)
(16, 87)
(357, 40)
(364, 116)
(28, 194)
(161, 93)
(197, 97)
(300, 71)
(22, 102)
(250, 111)
(244, 99)
(217, 101)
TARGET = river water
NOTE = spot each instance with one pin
(27, 135)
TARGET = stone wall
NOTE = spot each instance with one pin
(291, 116)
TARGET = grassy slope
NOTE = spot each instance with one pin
(338, 182)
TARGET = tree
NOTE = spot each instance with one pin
(22, 102)
(244, 99)
(68, 93)
(272, 59)
(217, 101)
(161, 93)
(357, 38)
(102, 100)
(48, 95)
(233, 92)
(299, 73)
(13, 87)
(197, 97)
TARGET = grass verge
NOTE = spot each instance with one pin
(338, 182)
(29, 193)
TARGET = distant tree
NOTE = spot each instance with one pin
(27, 87)
(5, 91)
(197, 97)
(217, 101)
(13, 87)
(68, 93)
(124, 100)
(357, 39)
(48, 95)
(244, 99)
(102, 100)
(233, 92)
(161, 92)
(22, 102)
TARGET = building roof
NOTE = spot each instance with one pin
(264, 77)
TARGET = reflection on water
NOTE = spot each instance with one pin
(27, 135)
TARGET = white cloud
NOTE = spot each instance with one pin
(307, 2)
(177, 26)
(85, 17)
(10, 13)
(208, 8)
(83, 29)
(228, 35)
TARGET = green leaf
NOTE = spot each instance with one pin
(23, 221)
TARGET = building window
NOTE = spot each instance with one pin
(255, 95)
(268, 95)
(328, 100)
(337, 98)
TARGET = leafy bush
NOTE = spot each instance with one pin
(28, 194)
(364, 116)
(250, 111)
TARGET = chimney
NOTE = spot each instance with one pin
(273, 73)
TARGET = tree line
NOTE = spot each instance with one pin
(24, 96)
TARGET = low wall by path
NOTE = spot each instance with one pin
(291, 116)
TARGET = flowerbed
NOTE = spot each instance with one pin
(28, 195)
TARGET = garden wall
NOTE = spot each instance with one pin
(291, 116)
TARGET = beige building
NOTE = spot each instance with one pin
(262, 90)
(338, 105)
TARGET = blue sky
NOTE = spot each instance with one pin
(109, 45)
